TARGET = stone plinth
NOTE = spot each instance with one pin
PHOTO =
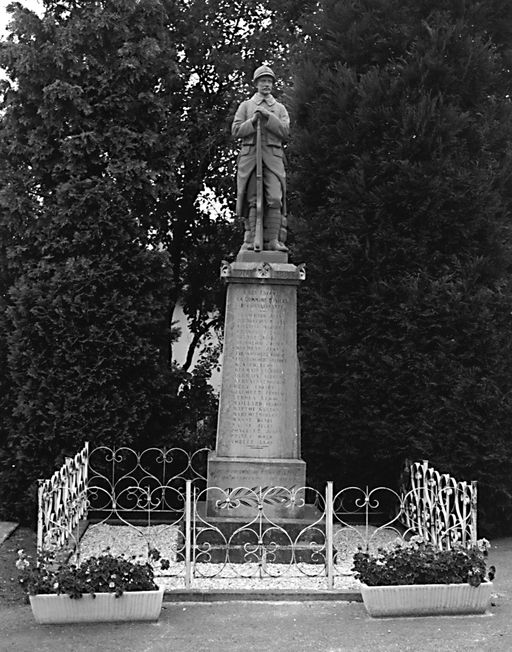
(258, 430)
(261, 475)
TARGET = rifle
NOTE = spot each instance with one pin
(258, 238)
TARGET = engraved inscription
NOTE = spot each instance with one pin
(249, 477)
(257, 356)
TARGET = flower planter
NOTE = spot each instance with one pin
(426, 599)
(105, 607)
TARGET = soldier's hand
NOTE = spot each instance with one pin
(260, 111)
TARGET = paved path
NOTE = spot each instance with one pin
(269, 626)
(249, 626)
(6, 529)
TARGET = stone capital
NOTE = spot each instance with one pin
(262, 271)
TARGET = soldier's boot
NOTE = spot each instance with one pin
(250, 231)
(272, 231)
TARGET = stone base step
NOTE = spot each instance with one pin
(239, 536)
(275, 555)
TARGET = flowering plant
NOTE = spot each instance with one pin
(102, 574)
(417, 562)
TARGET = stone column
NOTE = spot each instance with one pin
(258, 430)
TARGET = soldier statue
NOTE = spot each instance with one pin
(263, 125)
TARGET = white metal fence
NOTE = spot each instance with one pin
(159, 499)
(441, 509)
(62, 502)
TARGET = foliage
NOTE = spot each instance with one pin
(114, 122)
(102, 574)
(88, 143)
(401, 178)
(421, 563)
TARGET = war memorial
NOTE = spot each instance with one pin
(258, 433)
(248, 512)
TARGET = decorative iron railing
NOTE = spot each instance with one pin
(318, 546)
(62, 503)
(124, 483)
(254, 549)
(252, 537)
(441, 509)
(249, 546)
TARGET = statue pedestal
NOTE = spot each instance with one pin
(258, 431)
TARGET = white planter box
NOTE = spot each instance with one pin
(426, 599)
(105, 607)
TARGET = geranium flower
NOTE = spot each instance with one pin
(483, 545)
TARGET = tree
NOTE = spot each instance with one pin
(87, 140)
(114, 117)
(402, 159)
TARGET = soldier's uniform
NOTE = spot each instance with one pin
(274, 131)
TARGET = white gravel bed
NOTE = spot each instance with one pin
(130, 540)
(295, 583)
(135, 541)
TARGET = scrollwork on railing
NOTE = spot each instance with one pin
(122, 479)
(364, 519)
(259, 497)
(264, 538)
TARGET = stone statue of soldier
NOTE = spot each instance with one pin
(274, 129)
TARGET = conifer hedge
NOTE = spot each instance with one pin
(401, 178)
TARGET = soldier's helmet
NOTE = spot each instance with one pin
(261, 71)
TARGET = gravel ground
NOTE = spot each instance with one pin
(137, 540)
(131, 541)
